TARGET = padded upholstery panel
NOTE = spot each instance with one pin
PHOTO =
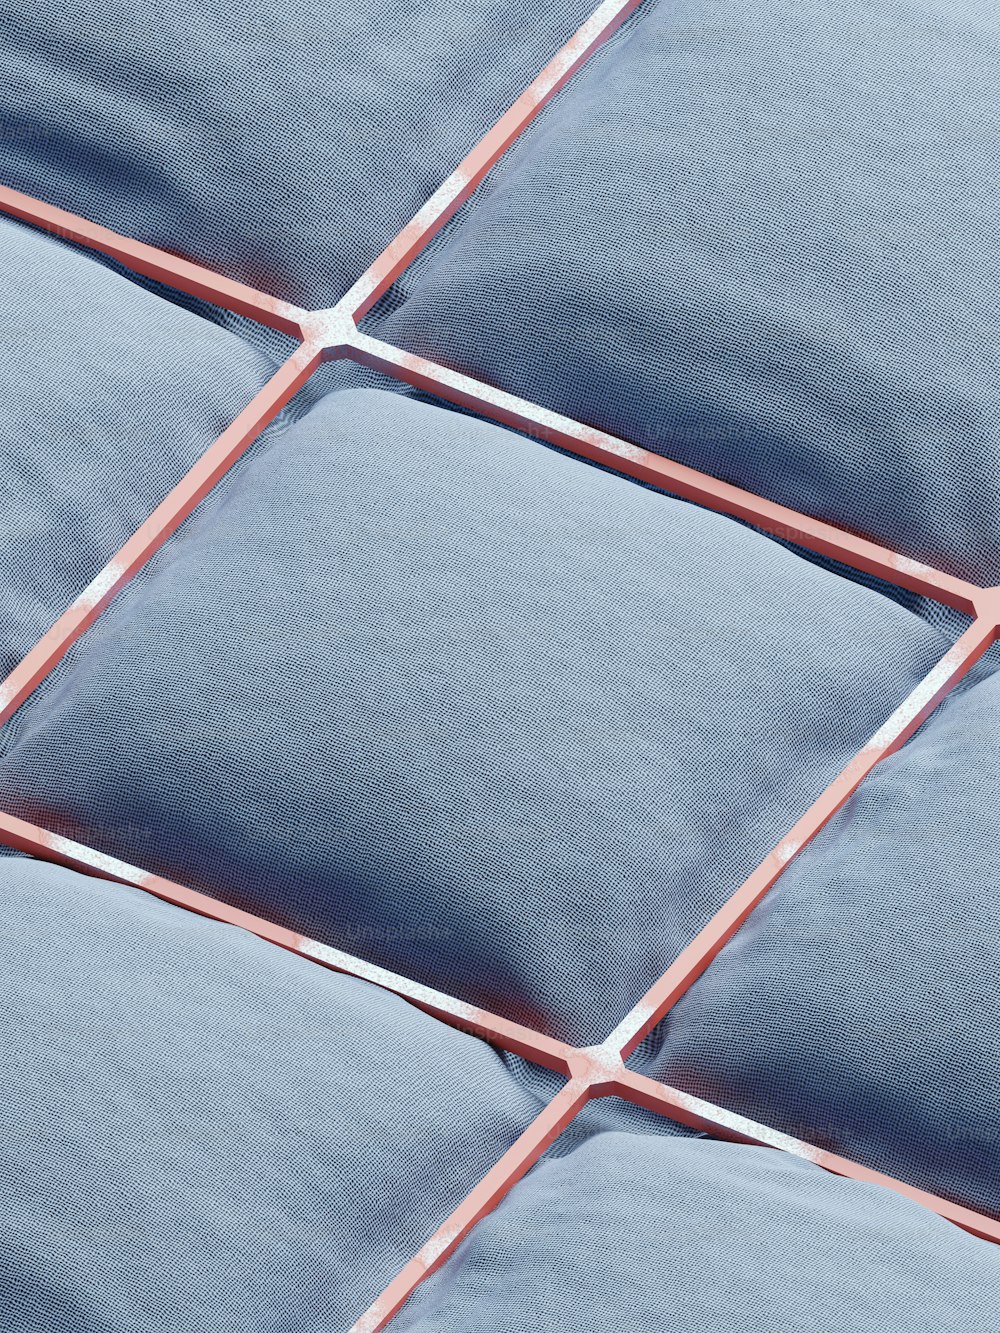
(761, 239)
(858, 1005)
(283, 142)
(698, 1237)
(457, 703)
(201, 1131)
(107, 397)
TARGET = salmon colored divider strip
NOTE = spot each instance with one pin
(699, 1114)
(481, 1200)
(914, 710)
(631, 459)
(162, 522)
(450, 196)
(593, 1071)
(38, 842)
(601, 1069)
(327, 330)
(333, 332)
(180, 274)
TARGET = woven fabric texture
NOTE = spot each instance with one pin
(201, 1131)
(763, 240)
(282, 142)
(107, 397)
(701, 1237)
(466, 707)
(454, 702)
(858, 1006)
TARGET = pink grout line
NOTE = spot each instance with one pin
(699, 1114)
(601, 1070)
(481, 1200)
(173, 271)
(334, 332)
(508, 1035)
(634, 461)
(453, 192)
(593, 1071)
(186, 276)
(162, 522)
(318, 330)
(596, 1071)
(502, 1032)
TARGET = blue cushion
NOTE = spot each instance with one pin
(763, 240)
(284, 143)
(460, 704)
(202, 1131)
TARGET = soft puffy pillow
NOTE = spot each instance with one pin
(762, 239)
(460, 704)
(697, 1237)
(201, 1131)
(858, 1007)
(282, 141)
(108, 396)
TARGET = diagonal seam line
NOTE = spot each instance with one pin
(37, 842)
(481, 1200)
(173, 271)
(890, 737)
(696, 1113)
(599, 446)
(449, 197)
(591, 1072)
(165, 519)
(598, 1071)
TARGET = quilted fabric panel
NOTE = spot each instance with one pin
(760, 239)
(282, 143)
(201, 1131)
(508, 724)
(454, 702)
(699, 1237)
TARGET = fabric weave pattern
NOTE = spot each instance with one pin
(417, 687)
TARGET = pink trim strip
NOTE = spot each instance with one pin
(540, 1134)
(633, 461)
(174, 271)
(914, 710)
(165, 519)
(453, 192)
(699, 1114)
